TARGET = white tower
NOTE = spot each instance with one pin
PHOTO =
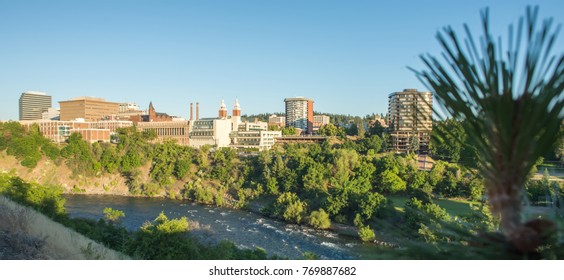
(236, 119)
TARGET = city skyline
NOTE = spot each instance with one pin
(338, 53)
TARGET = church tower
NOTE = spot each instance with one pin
(236, 109)
(223, 110)
(236, 118)
(152, 112)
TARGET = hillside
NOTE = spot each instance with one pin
(26, 234)
(48, 172)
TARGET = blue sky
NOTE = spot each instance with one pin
(346, 55)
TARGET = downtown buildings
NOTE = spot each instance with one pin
(409, 120)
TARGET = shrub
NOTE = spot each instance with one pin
(366, 234)
(113, 215)
(319, 219)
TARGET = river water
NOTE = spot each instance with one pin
(245, 229)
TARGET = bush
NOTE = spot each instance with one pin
(113, 215)
(366, 234)
(319, 219)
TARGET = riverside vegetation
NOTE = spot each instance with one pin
(343, 180)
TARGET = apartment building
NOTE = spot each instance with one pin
(410, 120)
(299, 114)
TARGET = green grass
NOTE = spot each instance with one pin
(454, 207)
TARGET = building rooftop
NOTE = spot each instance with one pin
(88, 98)
(409, 91)
(299, 98)
(35, 92)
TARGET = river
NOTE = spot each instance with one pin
(245, 229)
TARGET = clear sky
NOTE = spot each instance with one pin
(347, 55)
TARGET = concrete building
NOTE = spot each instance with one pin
(378, 120)
(254, 135)
(210, 131)
(254, 139)
(128, 107)
(279, 121)
(320, 121)
(178, 131)
(53, 114)
(32, 104)
(299, 114)
(88, 108)
(410, 120)
(128, 110)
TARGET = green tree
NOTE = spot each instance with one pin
(331, 130)
(353, 130)
(392, 183)
(110, 160)
(373, 142)
(370, 204)
(181, 168)
(289, 207)
(376, 129)
(290, 130)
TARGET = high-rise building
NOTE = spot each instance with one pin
(409, 120)
(88, 108)
(33, 104)
(299, 114)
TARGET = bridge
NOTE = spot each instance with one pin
(300, 139)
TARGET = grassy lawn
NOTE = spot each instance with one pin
(452, 206)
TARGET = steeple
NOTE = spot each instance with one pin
(236, 108)
(152, 112)
(222, 110)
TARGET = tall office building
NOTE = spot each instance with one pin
(33, 104)
(409, 119)
(299, 114)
